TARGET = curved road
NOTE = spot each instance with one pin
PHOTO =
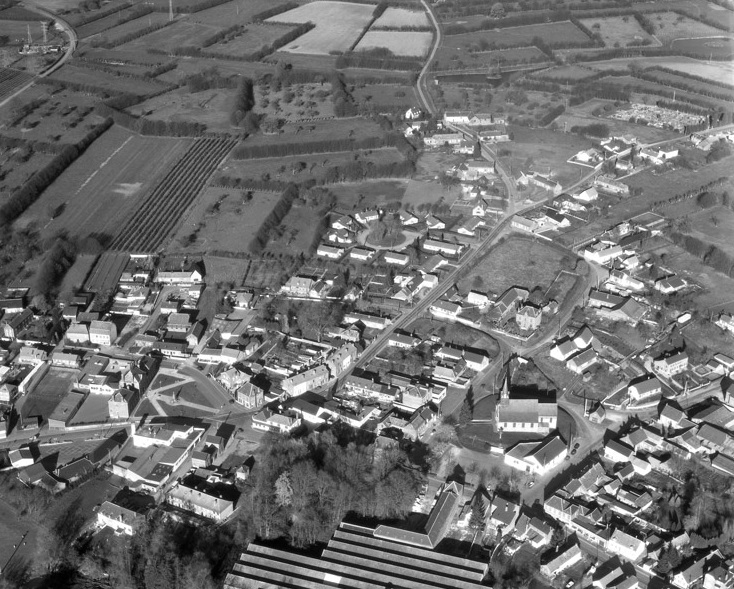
(421, 83)
(71, 47)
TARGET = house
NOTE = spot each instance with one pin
(556, 219)
(541, 181)
(626, 546)
(250, 396)
(563, 349)
(528, 318)
(103, 333)
(434, 222)
(582, 361)
(726, 322)
(602, 254)
(31, 356)
(476, 361)
(644, 389)
(122, 403)
(331, 252)
(65, 360)
(673, 418)
(532, 530)
(616, 451)
(536, 415)
(299, 286)
(670, 285)
(8, 392)
(524, 224)
(413, 113)
(441, 139)
(306, 381)
(445, 309)
(588, 195)
(671, 365)
(125, 512)
(507, 303)
(456, 117)
(14, 324)
(396, 259)
(610, 185)
(203, 499)
(503, 515)
(268, 420)
(477, 299)
(341, 359)
(184, 277)
(362, 254)
(443, 247)
(403, 341)
(554, 562)
(537, 457)
(407, 218)
(470, 226)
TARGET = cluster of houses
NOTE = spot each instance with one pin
(610, 504)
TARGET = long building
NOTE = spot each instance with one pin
(355, 559)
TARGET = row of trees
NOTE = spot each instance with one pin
(27, 194)
(710, 255)
(59, 259)
(271, 222)
(244, 152)
(150, 127)
(344, 105)
(244, 101)
(110, 44)
(377, 59)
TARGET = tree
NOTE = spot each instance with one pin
(467, 408)
(497, 11)
(283, 490)
(476, 518)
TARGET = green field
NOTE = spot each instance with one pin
(618, 31)
(563, 32)
(223, 220)
(714, 226)
(101, 189)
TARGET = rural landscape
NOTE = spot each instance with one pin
(365, 294)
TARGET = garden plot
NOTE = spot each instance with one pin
(395, 18)
(618, 31)
(337, 26)
(402, 43)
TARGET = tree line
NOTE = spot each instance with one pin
(378, 60)
(110, 44)
(344, 105)
(27, 194)
(271, 222)
(244, 152)
(242, 114)
(150, 127)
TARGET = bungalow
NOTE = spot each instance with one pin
(367, 216)
(456, 117)
(441, 139)
(555, 218)
(443, 247)
(331, 252)
(671, 365)
(407, 218)
(616, 451)
(562, 350)
(396, 259)
(446, 309)
(476, 361)
(435, 223)
(371, 321)
(361, 253)
(403, 341)
(582, 361)
(583, 338)
(658, 157)
(413, 113)
(193, 276)
(601, 254)
(496, 135)
(344, 223)
(477, 299)
(470, 226)
(340, 236)
(670, 285)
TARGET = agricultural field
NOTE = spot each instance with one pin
(402, 43)
(369, 194)
(114, 34)
(451, 59)
(653, 88)
(11, 80)
(254, 38)
(223, 220)
(230, 13)
(305, 132)
(99, 191)
(384, 97)
(210, 107)
(552, 33)
(182, 33)
(618, 31)
(338, 26)
(678, 80)
(107, 22)
(299, 168)
(111, 84)
(670, 26)
(717, 72)
(226, 67)
(17, 30)
(395, 18)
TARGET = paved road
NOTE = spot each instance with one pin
(420, 84)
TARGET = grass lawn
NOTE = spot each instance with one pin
(403, 43)
(357, 128)
(48, 393)
(224, 220)
(230, 13)
(515, 262)
(401, 17)
(182, 33)
(94, 409)
(562, 31)
(210, 107)
(255, 37)
(714, 226)
(164, 380)
(715, 71)
(361, 195)
(671, 25)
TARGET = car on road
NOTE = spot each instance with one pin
(576, 447)
(569, 584)
(573, 451)
(531, 483)
(568, 457)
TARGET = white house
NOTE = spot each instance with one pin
(644, 389)
(671, 365)
(445, 309)
(330, 251)
(537, 457)
(102, 332)
(626, 546)
(396, 259)
(588, 195)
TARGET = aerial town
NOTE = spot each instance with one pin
(322, 293)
